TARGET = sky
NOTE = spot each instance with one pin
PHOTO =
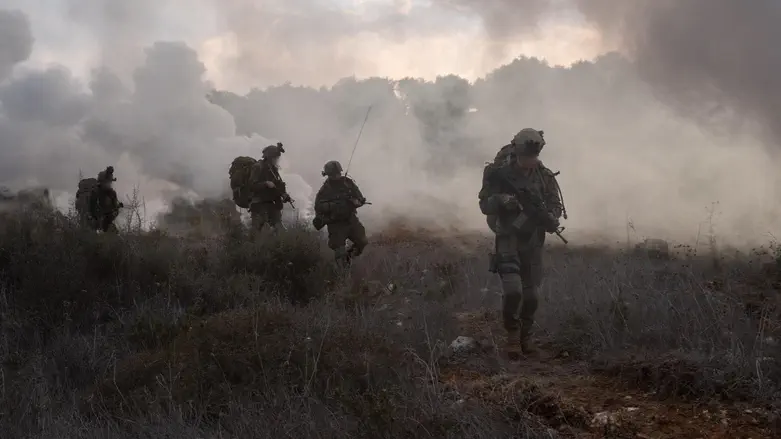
(389, 38)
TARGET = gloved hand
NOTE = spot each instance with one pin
(508, 202)
(552, 225)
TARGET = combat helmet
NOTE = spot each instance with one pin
(528, 141)
(332, 168)
(273, 151)
(107, 175)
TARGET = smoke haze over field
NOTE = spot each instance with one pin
(685, 113)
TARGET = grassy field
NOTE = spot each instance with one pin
(146, 335)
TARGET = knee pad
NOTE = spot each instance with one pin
(511, 284)
(504, 267)
(507, 264)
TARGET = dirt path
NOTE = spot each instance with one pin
(564, 395)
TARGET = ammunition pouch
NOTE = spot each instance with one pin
(521, 222)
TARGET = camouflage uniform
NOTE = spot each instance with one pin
(267, 202)
(519, 239)
(104, 203)
(336, 205)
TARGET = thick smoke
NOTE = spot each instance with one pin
(16, 40)
(624, 152)
(161, 130)
(715, 60)
(705, 56)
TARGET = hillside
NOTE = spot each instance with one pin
(146, 335)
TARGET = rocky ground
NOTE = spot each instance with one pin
(576, 399)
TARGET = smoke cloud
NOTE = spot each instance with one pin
(16, 40)
(708, 58)
(683, 115)
(715, 61)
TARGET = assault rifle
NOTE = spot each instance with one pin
(532, 206)
(286, 199)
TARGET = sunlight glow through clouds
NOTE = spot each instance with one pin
(467, 53)
(396, 38)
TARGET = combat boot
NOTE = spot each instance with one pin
(525, 339)
(513, 345)
(343, 257)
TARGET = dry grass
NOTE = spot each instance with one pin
(680, 327)
(146, 335)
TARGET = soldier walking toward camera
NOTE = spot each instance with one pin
(522, 201)
(268, 191)
(104, 204)
(336, 205)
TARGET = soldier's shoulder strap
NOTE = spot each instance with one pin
(259, 165)
(546, 172)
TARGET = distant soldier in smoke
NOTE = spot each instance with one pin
(103, 202)
(522, 201)
(36, 199)
(268, 191)
(336, 205)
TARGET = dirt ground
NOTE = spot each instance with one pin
(570, 397)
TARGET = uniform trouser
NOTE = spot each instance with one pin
(339, 232)
(87, 220)
(265, 213)
(102, 222)
(519, 264)
(106, 224)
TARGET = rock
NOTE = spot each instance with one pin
(603, 418)
(463, 344)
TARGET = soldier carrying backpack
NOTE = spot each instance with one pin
(522, 202)
(97, 203)
(257, 186)
(336, 205)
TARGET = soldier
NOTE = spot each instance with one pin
(336, 205)
(269, 192)
(520, 227)
(104, 203)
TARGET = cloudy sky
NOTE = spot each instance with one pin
(313, 42)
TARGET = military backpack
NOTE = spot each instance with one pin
(87, 187)
(239, 172)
